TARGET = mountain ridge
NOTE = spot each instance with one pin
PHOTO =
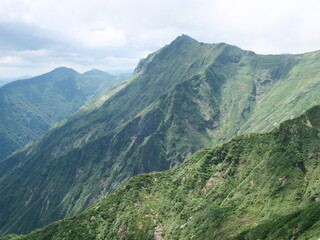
(184, 97)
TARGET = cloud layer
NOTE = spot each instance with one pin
(38, 35)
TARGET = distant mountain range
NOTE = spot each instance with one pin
(4, 81)
(184, 97)
(30, 107)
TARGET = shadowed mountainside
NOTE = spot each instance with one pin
(257, 186)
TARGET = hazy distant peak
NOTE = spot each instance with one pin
(63, 70)
(96, 72)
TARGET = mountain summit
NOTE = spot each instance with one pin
(184, 38)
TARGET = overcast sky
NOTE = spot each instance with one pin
(37, 36)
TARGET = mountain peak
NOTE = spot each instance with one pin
(96, 72)
(64, 70)
(184, 38)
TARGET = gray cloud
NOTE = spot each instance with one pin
(19, 36)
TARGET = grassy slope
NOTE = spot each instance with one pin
(30, 107)
(182, 98)
(258, 186)
(288, 97)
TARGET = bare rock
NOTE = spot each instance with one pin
(121, 231)
(217, 174)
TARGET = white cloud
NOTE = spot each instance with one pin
(105, 37)
(11, 60)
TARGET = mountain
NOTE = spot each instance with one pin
(4, 82)
(256, 186)
(186, 96)
(30, 107)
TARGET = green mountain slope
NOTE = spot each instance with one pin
(258, 186)
(186, 96)
(30, 107)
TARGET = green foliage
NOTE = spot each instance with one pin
(248, 188)
(288, 226)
